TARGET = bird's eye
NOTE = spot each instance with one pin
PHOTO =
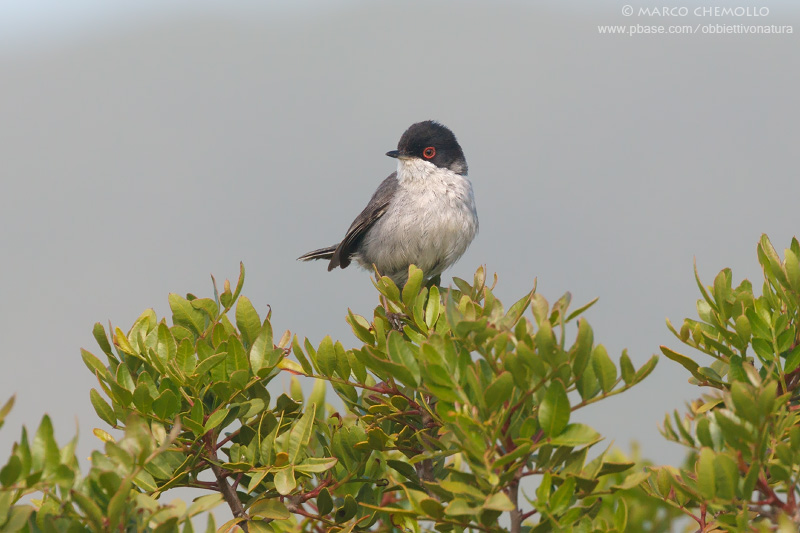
(429, 152)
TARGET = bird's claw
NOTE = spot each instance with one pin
(396, 320)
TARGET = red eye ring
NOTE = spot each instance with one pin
(429, 152)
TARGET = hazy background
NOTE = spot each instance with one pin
(144, 146)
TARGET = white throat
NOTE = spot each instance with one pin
(414, 170)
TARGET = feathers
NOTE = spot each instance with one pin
(375, 209)
(423, 214)
(322, 253)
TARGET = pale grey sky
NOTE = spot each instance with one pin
(144, 149)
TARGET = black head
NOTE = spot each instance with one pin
(430, 141)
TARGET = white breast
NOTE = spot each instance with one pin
(431, 221)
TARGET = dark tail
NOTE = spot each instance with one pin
(322, 253)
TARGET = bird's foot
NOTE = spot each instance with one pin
(396, 320)
(435, 280)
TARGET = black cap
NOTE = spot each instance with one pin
(431, 141)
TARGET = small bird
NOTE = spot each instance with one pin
(422, 214)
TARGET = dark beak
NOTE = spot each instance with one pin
(397, 154)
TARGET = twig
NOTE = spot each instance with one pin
(228, 492)
(513, 494)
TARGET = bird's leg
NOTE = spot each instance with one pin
(434, 281)
(395, 319)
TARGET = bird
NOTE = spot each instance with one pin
(423, 213)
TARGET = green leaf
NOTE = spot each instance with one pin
(207, 305)
(702, 288)
(348, 510)
(90, 508)
(210, 362)
(792, 359)
(99, 333)
(576, 435)
(185, 357)
(545, 341)
(301, 433)
(554, 410)
(261, 347)
(560, 499)
(632, 480)
(519, 452)
(759, 326)
(460, 507)
(247, 320)
(6, 409)
(726, 478)
(166, 405)
(342, 363)
(142, 399)
(315, 465)
(215, 419)
(539, 307)
(270, 508)
(684, 361)
(582, 348)
(459, 488)
(44, 449)
(544, 489)
(621, 515)
(587, 384)
(285, 481)
(432, 508)
(742, 326)
(645, 369)
(433, 307)
(516, 311)
(499, 391)
(361, 327)
(403, 468)
(145, 481)
(9, 474)
(297, 350)
(124, 378)
(326, 356)
(324, 502)
(791, 264)
(610, 467)
(412, 286)
(101, 407)
(166, 347)
(400, 352)
(202, 504)
(581, 310)
(499, 501)
(117, 503)
(706, 476)
(604, 368)
(744, 402)
(17, 519)
(6, 499)
(184, 314)
(626, 368)
(94, 364)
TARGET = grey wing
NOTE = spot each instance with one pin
(375, 209)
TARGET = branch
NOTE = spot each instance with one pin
(513, 493)
(228, 492)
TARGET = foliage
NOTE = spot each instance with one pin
(450, 402)
(104, 500)
(743, 471)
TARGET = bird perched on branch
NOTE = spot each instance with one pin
(422, 214)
